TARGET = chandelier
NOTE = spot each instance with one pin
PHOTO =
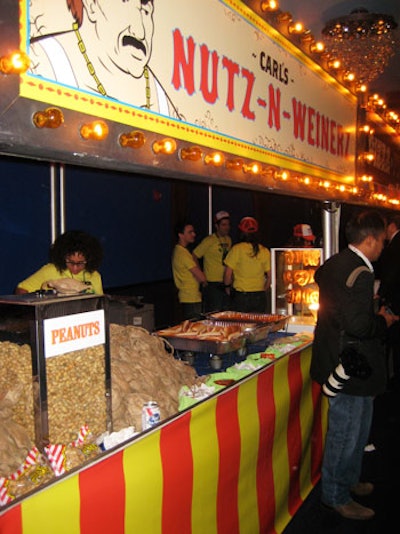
(363, 42)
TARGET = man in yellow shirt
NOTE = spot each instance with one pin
(186, 272)
(213, 250)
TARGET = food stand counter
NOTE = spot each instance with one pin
(243, 460)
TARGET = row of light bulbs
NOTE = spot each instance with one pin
(98, 130)
(378, 105)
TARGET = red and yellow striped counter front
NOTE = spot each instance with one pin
(242, 461)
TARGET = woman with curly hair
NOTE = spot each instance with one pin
(74, 255)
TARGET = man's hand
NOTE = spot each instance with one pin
(389, 317)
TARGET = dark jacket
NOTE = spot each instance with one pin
(389, 274)
(348, 309)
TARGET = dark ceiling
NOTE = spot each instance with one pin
(315, 13)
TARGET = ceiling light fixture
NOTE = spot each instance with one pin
(364, 42)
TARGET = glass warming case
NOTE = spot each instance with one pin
(58, 348)
(293, 289)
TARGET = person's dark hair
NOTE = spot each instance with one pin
(364, 224)
(72, 242)
(252, 239)
(180, 227)
(395, 219)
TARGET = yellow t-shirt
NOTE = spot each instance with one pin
(186, 283)
(248, 270)
(213, 250)
(50, 272)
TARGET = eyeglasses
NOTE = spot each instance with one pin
(76, 263)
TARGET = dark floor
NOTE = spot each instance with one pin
(381, 466)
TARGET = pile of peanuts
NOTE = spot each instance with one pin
(76, 391)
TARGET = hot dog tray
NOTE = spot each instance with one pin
(253, 332)
(184, 336)
(275, 322)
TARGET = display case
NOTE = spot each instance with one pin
(55, 355)
(293, 288)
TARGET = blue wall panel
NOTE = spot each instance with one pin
(131, 215)
(24, 219)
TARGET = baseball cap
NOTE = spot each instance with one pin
(304, 231)
(248, 225)
(221, 215)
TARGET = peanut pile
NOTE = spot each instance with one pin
(142, 369)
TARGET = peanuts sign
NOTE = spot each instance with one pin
(73, 332)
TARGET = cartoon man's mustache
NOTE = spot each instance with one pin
(128, 40)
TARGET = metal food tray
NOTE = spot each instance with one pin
(204, 345)
(253, 331)
(275, 322)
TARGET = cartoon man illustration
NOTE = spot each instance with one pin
(107, 50)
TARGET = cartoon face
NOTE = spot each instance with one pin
(125, 29)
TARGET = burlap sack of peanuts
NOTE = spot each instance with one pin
(143, 370)
(15, 442)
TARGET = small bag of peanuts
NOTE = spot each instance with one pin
(34, 472)
(63, 458)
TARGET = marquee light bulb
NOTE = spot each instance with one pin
(14, 63)
(215, 158)
(191, 153)
(132, 139)
(97, 130)
(49, 118)
(165, 146)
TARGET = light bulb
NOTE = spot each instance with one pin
(215, 158)
(132, 139)
(191, 153)
(49, 118)
(165, 146)
(14, 63)
(97, 130)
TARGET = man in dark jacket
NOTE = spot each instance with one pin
(347, 320)
(388, 268)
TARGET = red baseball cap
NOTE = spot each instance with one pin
(304, 231)
(248, 225)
